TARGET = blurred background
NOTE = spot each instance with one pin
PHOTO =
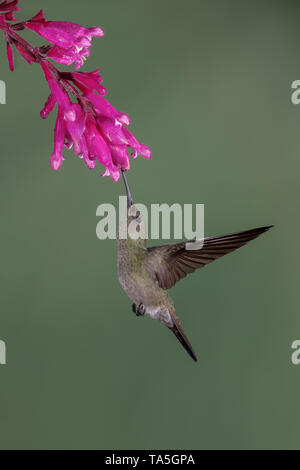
(207, 85)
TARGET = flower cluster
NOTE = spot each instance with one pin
(85, 120)
(71, 42)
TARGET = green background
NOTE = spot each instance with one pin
(207, 85)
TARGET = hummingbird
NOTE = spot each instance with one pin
(147, 274)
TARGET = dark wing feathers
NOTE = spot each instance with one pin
(173, 262)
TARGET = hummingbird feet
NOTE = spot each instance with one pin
(139, 310)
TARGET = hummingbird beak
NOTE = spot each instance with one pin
(129, 198)
(178, 332)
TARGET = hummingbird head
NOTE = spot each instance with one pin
(169, 318)
(132, 224)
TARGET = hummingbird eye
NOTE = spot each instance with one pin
(141, 309)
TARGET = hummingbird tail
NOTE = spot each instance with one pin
(178, 332)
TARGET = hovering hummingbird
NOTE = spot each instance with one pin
(146, 274)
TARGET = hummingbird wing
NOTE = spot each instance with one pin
(173, 261)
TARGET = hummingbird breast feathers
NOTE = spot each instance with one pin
(161, 314)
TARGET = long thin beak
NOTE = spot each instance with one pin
(178, 332)
(129, 198)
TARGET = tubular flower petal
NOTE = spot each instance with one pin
(104, 108)
(112, 133)
(10, 16)
(2, 23)
(141, 149)
(75, 122)
(57, 158)
(49, 106)
(120, 156)
(10, 56)
(60, 96)
(63, 33)
(120, 136)
(69, 56)
(89, 80)
(9, 6)
(98, 149)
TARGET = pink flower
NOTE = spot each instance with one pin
(139, 149)
(78, 128)
(57, 158)
(104, 108)
(72, 40)
(120, 156)
(49, 106)
(10, 54)
(120, 136)
(69, 56)
(75, 122)
(9, 6)
(104, 139)
(10, 16)
(86, 121)
(89, 80)
(58, 93)
(99, 150)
